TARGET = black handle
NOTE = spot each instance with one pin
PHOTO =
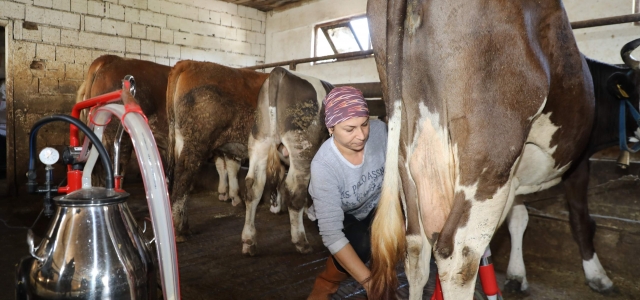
(104, 156)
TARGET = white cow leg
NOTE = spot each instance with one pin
(222, 175)
(233, 166)
(294, 194)
(596, 275)
(516, 273)
(255, 181)
(298, 235)
(416, 264)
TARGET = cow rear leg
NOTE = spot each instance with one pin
(222, 181)
(583, 227)
(255, 182)
(298, 235)
(233, 166)
(294, 194)
(416, 264)
(187, 164)
(516, 273)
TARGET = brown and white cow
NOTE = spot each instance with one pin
(210, 109)
(105, 75)
(486, 99)
(604, 134)
(289, 129)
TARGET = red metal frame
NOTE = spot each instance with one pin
(74, 177)
(95, 101)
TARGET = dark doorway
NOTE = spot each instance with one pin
(3, 105)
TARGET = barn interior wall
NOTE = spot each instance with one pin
(602, 43)
(289, 36)
(53, 42)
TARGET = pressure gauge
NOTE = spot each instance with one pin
(49, 156)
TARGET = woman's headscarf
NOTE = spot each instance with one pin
(344, 103)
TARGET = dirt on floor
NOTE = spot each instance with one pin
(213, 267)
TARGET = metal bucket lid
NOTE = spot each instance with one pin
(91, 197)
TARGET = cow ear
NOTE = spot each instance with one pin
(620, 85)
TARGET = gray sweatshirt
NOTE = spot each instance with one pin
(338, 187)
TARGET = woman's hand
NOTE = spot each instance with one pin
(350, 261)
(367, 285)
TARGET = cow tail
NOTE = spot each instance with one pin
(275, 169)
(80, 97)
(388, 242)
(174, 75)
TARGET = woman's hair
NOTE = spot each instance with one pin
(344, 103)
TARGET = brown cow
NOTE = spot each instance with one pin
(210, 108)
(486, 100)
(105, 75)
(289, 129)
(604, 134)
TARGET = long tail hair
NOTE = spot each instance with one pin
(275, 170)
(174, 75)
(388, 242)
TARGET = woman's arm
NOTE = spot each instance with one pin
(350, 261)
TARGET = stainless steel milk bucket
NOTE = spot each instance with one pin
(93, 249)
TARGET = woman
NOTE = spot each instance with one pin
(346, 180)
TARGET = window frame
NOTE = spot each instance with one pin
(325, 27)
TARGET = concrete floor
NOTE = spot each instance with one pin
(212, 266)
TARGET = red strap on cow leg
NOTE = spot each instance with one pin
(135, 108)
(437, 293)
(488, 280)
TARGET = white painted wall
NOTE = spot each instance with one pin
(290, 36)
(602, 43)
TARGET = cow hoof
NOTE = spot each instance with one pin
(602, 286)
(248, 249)
(304, 249)
(223, 196)
(516, 286)
(235, 201)
(275, 209)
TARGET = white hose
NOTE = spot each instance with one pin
(92, 159)
(156, 188)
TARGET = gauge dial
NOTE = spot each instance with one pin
(49, 156)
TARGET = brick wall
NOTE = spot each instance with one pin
(53, 42)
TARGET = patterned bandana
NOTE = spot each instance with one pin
(344, 103)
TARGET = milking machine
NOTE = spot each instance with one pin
(93, 248)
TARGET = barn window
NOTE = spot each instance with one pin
(342, 36)
(636, 9)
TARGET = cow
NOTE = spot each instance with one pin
(105, 75)
(604, 134)
(289, 129)
(486, 100)
(210, 109)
